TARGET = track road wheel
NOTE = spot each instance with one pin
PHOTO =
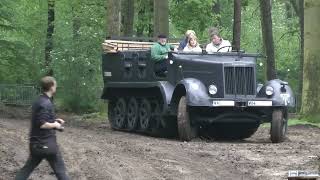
(145, 114)
(132, 114)
(185, 129)
(279, 125)
(117, 113)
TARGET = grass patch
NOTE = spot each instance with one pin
(293, 122)
(313, 119)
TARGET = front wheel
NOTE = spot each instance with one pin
(279, 125)
(185, 128)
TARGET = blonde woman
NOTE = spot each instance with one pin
(184, 42)
(192, 46)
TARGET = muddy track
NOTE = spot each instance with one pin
(98, 153)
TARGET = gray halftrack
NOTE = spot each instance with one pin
(214, 95)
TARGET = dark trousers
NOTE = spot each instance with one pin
(160, 66)
(55, 161)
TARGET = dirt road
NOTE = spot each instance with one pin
(99, 153)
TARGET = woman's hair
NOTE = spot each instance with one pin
(192, 36)
(46, 83)
(189, 32)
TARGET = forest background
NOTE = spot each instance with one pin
(63, 38)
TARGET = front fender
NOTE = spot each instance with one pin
(196, 92)
(166, 90)
(279, 98)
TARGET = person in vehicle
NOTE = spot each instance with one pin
(192, 46)
(159, 53)
(217, 43)
(184, 42)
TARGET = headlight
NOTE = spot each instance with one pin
(269, 90)
(213, 89)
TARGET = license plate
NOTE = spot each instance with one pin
(285, 95)
(260, 103)
(223, 103)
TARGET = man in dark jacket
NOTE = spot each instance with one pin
(43, 142)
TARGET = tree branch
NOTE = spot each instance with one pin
(289, 32)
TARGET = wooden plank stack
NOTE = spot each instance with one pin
(113, 46)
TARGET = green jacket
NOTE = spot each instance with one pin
(159, 52)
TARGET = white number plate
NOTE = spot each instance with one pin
(107, 74)
(285, 95)
(259, 103)
(223, 103)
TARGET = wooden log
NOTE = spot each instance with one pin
(119, 45)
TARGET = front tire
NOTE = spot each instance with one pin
(279, 126)
(185, 129)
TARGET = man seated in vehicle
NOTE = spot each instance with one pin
(159, 53)
(217, 43)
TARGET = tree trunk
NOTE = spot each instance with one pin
(237, 25)
(141, 14)
(301, 21)
(267, 34)
(311, 70)
(49, 38)
(161, 17)
(299, 11)
(128, 17)
(113, 17)
(216, 10)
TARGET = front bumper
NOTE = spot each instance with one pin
(214, 102)
(249, 103)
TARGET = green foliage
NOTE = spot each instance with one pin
(80, 28)
(292, 122)
(79, 31)
(14, 50)
(313, 122)
(286, 39)
(192, 14)
(144, 18)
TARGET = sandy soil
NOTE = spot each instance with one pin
(99, 153)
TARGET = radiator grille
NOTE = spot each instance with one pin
(239, 80)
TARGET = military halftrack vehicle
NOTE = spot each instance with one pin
(215, 95)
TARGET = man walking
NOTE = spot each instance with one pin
(43, 142)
